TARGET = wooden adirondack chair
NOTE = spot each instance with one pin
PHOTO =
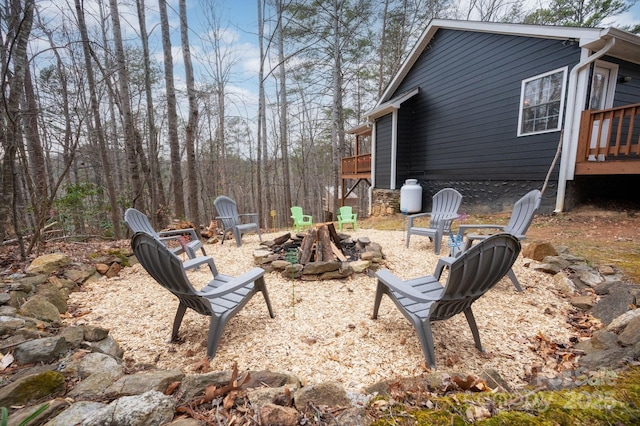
(521, 218)
(345, 216)
(423, 300)
(232, 221)
(300, 220)
(221, 299)
(444, 209)
(139, 222)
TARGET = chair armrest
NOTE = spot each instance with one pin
(200, 260)
(411, 217)
(463, 228)
(231, 286)
(307, 216)
(443, 262)
(223, 217)
(253, 217)
(178, 232)
(396, 284)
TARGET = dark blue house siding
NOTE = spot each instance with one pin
(383, 152)
(464, 120)
(462, 125)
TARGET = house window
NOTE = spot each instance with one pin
(542, 102)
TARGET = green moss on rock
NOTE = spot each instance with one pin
(31, 388)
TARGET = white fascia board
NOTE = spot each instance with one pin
(392, 105)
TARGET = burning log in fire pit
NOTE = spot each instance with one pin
(319, 254)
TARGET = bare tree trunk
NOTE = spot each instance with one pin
(261, 115)
(337, 110)
(19, 29)
(95, 108)
(172, 115)
(156, 188)
(192, 124)
(284, 144)
(37, 164)
(125, 107)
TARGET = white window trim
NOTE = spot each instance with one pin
(564, 71)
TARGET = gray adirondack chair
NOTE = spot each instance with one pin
(423, 300)
(521, 218)
(139, 222)
(232, 221)
(444, 210)
(221, 299)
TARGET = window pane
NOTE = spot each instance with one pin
(542, 102)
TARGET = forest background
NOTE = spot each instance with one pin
(164, 105)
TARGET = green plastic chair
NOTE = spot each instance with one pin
(346, 215)
(300, 220)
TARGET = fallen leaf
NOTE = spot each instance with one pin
(203, 366)
(171, 388)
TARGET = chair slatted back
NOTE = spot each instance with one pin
(522, 214)
(225, 206)
(166, 268)
(138, 222)
(296, 212)
(474, 273)
(445, 202)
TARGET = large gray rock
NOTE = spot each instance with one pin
(615, 304)
(152, 408)
(93, 333)
(79, 275)
(54, 296)
(95, 386)
(46, 350)
(564, 284)
(90, 364)
(631, 334)
(31, 387)
(195, 384)
(37, 413)
(272, 414)
(10, 323)
(589, 278)
(330, 394)
(108, 346)
(48, 263)
(40, 308)
(76, 413)
(135, 384)
(621, 321)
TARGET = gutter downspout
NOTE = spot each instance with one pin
(568, 134)
(374, 132)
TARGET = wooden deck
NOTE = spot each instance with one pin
(609, 141)
(357, 167)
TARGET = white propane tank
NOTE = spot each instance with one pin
(410, 197)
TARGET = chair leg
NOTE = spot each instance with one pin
(423, 328)
(238, 236)
(437, 242)
(514, 280)
(215, 332)
(177, 321)
(260, 286)
(474, 328)
(380, 290)
(408, 238)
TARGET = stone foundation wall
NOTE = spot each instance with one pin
(385, 202)
(479, 197)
